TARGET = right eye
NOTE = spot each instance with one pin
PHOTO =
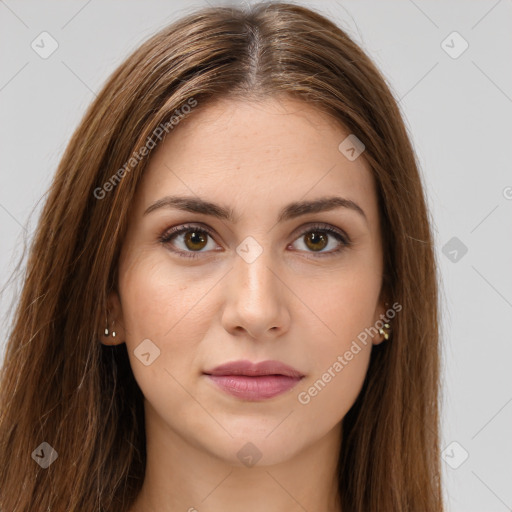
(192, 238)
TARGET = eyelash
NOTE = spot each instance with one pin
(322, 228)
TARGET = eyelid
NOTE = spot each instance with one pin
(321, 226)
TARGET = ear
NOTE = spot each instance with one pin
(114, 316)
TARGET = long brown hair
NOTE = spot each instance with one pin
(61, 386)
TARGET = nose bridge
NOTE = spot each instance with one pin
(254, 299)
(254, 280)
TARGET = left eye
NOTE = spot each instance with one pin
(318, 238)
(193, 239)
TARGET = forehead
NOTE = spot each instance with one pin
(268, 150)
(227, 129)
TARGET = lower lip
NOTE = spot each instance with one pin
(254, 388)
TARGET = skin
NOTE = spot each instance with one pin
(290, 305)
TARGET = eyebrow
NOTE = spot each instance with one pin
(290, 211)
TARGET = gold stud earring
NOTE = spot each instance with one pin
(107, 332)
(106, 325)
(385, 331)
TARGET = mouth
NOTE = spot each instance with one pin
(254, 381)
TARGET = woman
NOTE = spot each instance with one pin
(231, 298)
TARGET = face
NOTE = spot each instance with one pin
(272, 282)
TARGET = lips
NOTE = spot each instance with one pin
(254, 381)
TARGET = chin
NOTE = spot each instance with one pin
(256, 448)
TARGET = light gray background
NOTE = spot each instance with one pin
(459, 115)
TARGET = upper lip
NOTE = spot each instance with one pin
(251, 369)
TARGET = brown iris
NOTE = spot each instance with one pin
(195, 238)
(313, 238)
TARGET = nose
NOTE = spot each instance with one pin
(256, 299)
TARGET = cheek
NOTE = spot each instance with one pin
(339, 364)
(345, 309)
(329, 394)
(342, 306)
(162, 304)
